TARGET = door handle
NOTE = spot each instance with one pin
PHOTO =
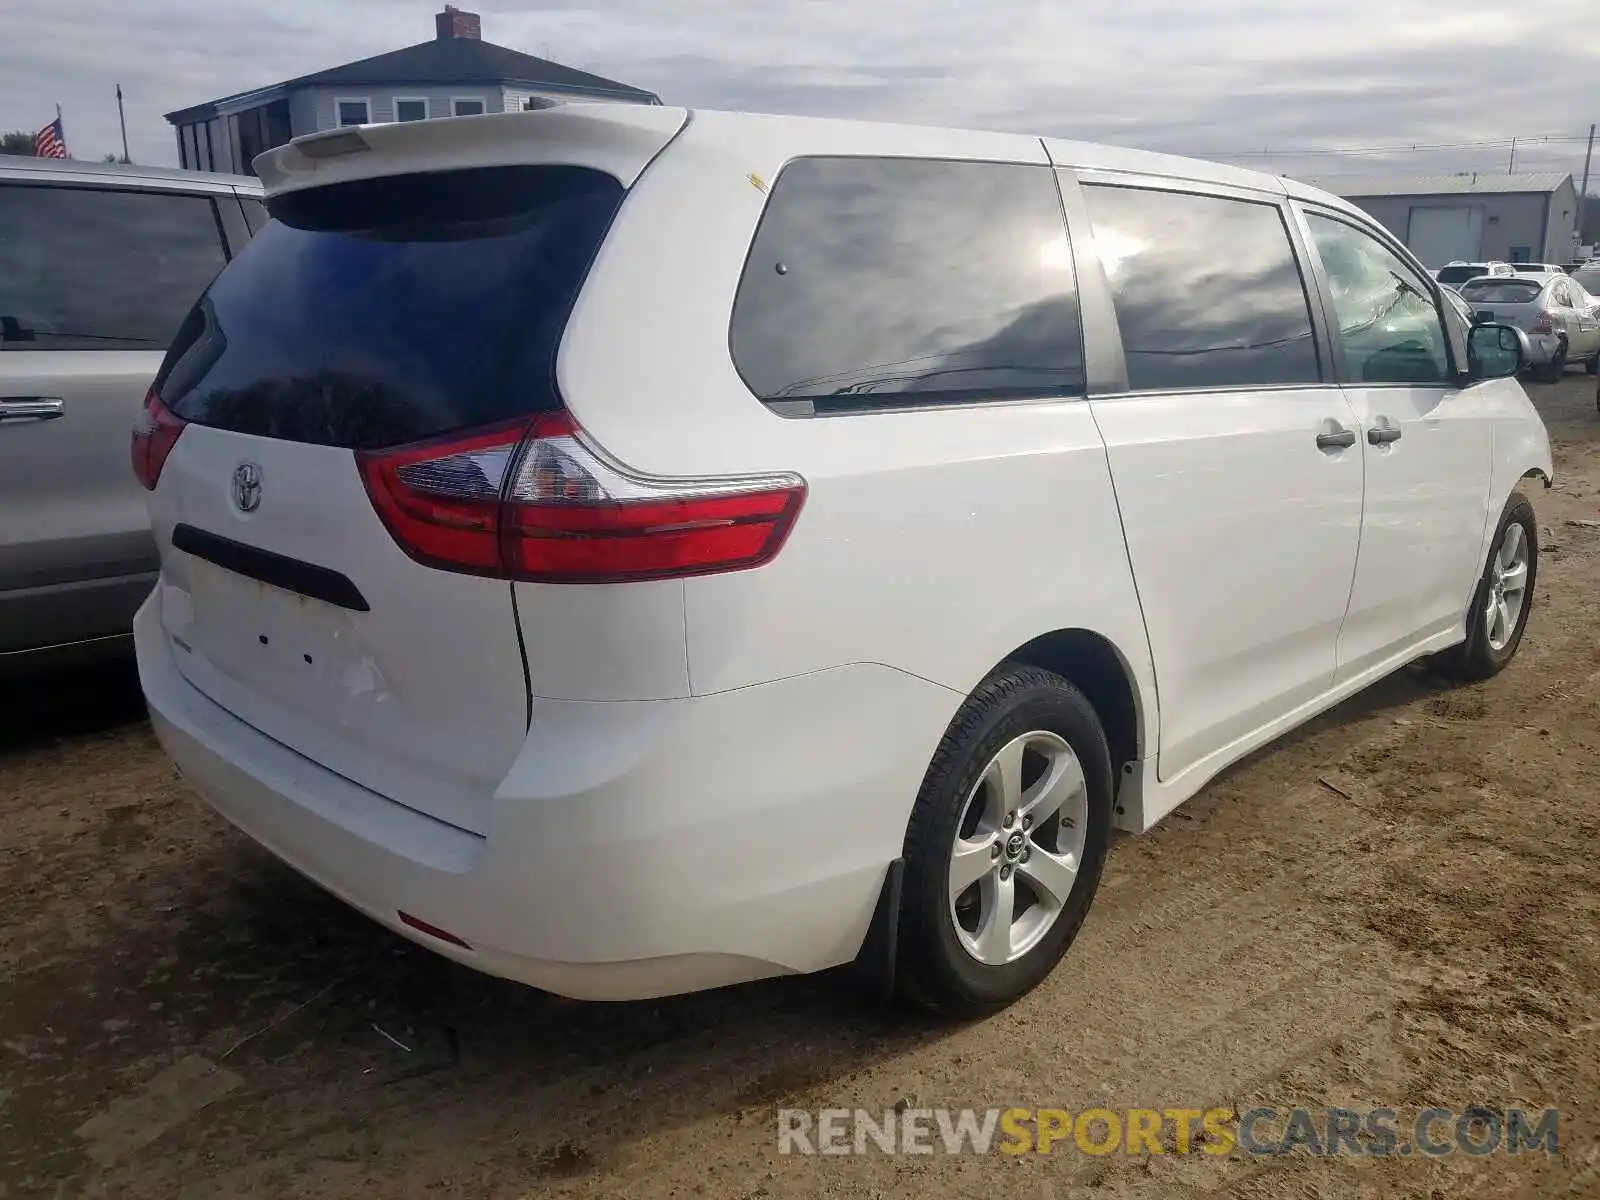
(1341, 439)
(1383, 433)
(32, 408)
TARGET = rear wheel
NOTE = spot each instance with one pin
(1503, 598)
(1006, 843)
(1553, 370)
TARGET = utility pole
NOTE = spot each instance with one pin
(1511, 167)
(1583, 189)
(122, 117)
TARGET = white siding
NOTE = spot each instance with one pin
(303, 114)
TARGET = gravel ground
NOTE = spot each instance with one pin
(1396, 906)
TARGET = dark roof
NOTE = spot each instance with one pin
(442, 62)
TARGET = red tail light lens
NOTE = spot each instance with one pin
(1543, 324)
(540, 503)
(154, 435)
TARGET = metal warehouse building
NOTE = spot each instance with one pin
(1471, 217)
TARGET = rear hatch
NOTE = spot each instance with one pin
(1506, 301)
(374, 313)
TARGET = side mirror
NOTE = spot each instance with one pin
(1496, 351)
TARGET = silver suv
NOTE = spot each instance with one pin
(98, 267)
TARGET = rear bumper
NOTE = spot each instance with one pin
(1543, 347)
(635, 849)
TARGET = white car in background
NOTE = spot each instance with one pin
(633, 550)
(1457, 273)
(1559, 317)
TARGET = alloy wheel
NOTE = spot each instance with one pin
(1508, 587)
(1018, 847)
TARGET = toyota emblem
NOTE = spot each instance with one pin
(247, 487)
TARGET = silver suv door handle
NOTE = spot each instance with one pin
(32, 408)
(1342, 439)
(1384, 432)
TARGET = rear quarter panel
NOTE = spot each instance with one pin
(935, 541)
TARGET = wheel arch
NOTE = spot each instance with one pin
(1101, 671)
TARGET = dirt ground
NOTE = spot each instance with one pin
(1397, 906)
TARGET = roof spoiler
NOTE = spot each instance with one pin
(620, 139)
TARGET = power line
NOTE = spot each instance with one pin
(1413, 148)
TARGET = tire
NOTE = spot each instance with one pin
(1593, 365)
(1552, 371)
(1484, 653)
(1045, 726)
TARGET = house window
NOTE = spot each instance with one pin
(408, 108)
(465, 107)
(353, 112)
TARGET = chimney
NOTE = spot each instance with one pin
(453, 23)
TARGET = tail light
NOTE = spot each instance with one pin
(1542, 324)
(539, 502)
(155, 433)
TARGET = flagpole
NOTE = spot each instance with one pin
(123, 118)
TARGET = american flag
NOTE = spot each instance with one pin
(50, 142)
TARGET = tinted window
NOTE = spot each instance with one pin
(1500, 291)
(1389, 326)
(353, 112)
(1207, 290)
(1460, 274)
(374, 313)
(410, 110)
(97, 269)
(894, 281)
(255, 213)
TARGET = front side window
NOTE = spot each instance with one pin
(354, 112)
(1207, 290)
(411, 110)
(876, 282)
(467, 108)
(1389, 326)
(99, 269)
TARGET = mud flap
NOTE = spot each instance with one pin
(874, 966)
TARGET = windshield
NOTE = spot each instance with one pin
(1501, 291)
(380, 312)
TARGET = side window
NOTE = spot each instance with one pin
(1561, 295)
(875, 282)
(1389, 326)
(1206, 289)
(93, 269)
(255, 213)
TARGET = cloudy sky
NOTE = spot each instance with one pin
(1218, 78)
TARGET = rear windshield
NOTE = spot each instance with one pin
(1501, 291)
(1460, 274)
(375, 313)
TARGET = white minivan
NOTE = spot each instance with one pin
(633, 550)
